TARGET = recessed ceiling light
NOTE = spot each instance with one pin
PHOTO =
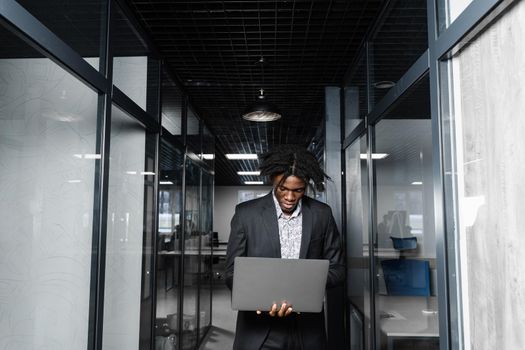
(241, 156)
(256, 173)
(384, 84)
(253, 182)
(374, 155)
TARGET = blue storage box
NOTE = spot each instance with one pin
(407, 277)
(404, 243)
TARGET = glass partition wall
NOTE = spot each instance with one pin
(191, 256)
(357, 244)
(91, 241)
(406, 309)
(439, 131)
(169, 244)
(206, 258)
(49, 157)
(184, 252)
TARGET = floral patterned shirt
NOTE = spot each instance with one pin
(290, 231)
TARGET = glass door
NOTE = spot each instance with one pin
(191, 255)
(171, 162)
(205, 275)
(357, 244)
(406, 315)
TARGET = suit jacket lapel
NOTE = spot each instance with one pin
(272, 227)
(307, 228)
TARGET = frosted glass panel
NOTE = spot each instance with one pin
(130, 76)
(130, 61)
(449, 10)
(484, 127)
(47, 166)
(124, 233)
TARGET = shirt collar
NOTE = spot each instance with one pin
(280, 213)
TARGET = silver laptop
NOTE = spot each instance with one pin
(260, 282)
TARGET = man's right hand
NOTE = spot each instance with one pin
(283, 311)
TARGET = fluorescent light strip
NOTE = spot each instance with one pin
(146, 173)
(255, 173)
(208, 156)
(165, 183)
(253, 182)
(417, 183)
(87, 156)
(374, 155)
(92, 156)
(241, 156)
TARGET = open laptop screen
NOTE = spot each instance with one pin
(260, 282)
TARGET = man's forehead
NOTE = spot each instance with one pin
(292, 183)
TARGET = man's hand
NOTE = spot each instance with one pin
(282, 311)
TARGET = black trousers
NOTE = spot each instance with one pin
(284, 334)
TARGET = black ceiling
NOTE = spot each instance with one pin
(214, 48)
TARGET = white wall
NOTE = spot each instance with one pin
(226, 198)
(487, 124)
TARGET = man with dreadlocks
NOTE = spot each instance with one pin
(289, 225)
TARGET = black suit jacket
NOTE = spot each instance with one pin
(255, 232)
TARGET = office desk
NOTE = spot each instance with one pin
(194, 252)
(217, 257)
(408, 317)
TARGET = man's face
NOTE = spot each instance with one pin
(289, 192)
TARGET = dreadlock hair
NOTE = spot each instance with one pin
(292, 160)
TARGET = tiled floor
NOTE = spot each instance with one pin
(220, 336)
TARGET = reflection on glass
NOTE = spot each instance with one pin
(192, 131)
(47, 175)
(448, 11)
(171, 108)
(205, 274)
(404, 238)
(124, 235)
(356, 105)
(191, 255)
(130, 61)
(484, 166)
(400, 40)
(78, 23)
(208, 147)
(357, 248)
(169, 246)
